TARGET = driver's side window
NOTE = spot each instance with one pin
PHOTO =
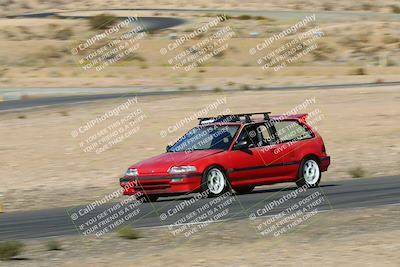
(255, 135)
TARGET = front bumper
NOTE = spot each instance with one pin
(161, 184)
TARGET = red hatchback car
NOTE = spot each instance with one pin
(236, 151)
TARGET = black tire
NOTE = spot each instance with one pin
(244, 190)
(205, 185)
(150, 198)
(301, 180)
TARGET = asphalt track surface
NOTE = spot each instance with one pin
(62, 100)
(147, 23)
(368, 192)
(274, 14)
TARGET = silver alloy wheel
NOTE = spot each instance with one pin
(215, 181)
(311, 172)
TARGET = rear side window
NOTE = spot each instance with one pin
(292, 131)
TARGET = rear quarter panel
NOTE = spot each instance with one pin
(305, 148)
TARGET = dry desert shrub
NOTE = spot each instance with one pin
(390, 39)
(10, 249)
(128, 232)
(53, 245)
(102, 21)
(358, 71)
(49, 52)
(357, 172)
(323, 51)
(395, 9)
(64, 34)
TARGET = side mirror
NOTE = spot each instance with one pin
(168, 147)
(241, 145)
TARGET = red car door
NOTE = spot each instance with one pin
(258, 164)
(273, 154)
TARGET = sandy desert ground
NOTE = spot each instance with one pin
(37, 53)
(365, 237)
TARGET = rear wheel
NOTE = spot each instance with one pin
(214, 181)
(244, 190)
(309, 173)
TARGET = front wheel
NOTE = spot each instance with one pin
(214, 181)
(309, 173)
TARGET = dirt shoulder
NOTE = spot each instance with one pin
(364, 237)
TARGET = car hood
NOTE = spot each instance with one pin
(161, 163)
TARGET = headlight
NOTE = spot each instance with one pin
(182, 169)
(132, 172)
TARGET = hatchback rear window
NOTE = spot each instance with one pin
(292, 131)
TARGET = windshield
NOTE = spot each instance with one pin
(206, 137)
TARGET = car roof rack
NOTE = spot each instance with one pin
(232, 118)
